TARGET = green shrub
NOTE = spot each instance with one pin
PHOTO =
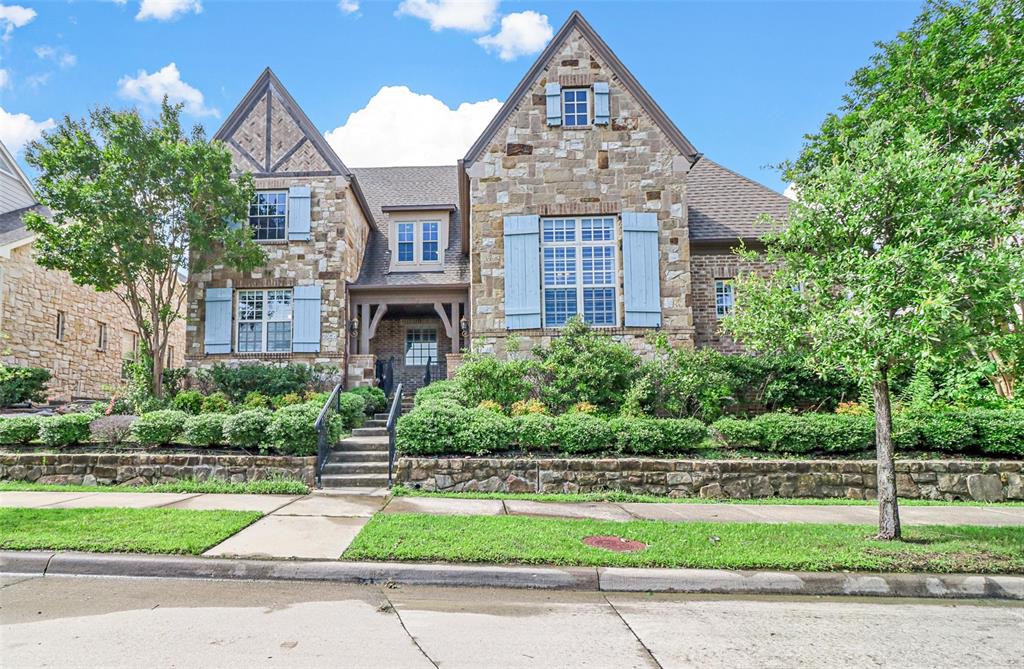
(286, 400)
(485, 431)
(22, 384)
(72, 428)
(807, 433)
(638, 436)
(433, 428)
(189, 401)
(681, 435)
(535, 430)
(254, 399)
(216, 403)
(292, 430)
(19, 429)
(583, 433)
(948, 431)
(352, 410)
(484, 377)
(205, 429)
(1000, 432)
(442, 391)
(272, 380)
(737, 433)
(147, 404)
(376, 401)
(247, 429)
(159, 427)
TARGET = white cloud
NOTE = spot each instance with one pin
(400, 127)
(14, 16)
(167, 10)
(17, 130)
(5, 78)
(151, 89)
(59, 55)
(521, 34)
(38, 80)
(470, 15)
(348, 6)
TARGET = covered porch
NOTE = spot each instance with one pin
(412, 335)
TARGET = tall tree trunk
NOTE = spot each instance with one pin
(888, 507)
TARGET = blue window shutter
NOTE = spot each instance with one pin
(306, 338)
(554, 97)
(298, 213)
(217, 325)
(602, 106)
(522, 272)
(641, 269)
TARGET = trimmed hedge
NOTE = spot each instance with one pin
(205, 429)
(22, 384)
(376, 400)
(72, 428)
(157, 428)
(19, 429)
(247, 429)
(292, 429)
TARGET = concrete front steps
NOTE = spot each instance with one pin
(361, 460)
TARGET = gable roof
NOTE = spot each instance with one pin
(724, 206)
(577, 22)
(410, 189)
(268, 84)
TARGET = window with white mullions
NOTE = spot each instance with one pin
(430, 239)
(575, 107)
(268, 214)
(724, 297)
(420, 346)
(579, 271)
(264, 321)
(418, 242)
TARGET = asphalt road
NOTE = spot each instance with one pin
(113, 622)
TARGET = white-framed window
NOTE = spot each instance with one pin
(264, 321)
(725, 297)
(579, 270)
(575, 107)
(418, 242)
(101, 342)
(420, 346)
(268, 215)
(62, 320)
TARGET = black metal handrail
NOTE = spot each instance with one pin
(394, 413)
(323, 433)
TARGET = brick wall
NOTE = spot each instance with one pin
(706, 268)
(390, 341)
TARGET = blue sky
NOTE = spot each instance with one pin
(743, 80)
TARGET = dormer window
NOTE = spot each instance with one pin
(406, 242)
(418, 238)
(575, 107)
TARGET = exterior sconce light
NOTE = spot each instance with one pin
(353, 326)
(464, 327)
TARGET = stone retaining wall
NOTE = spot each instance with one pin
(145, 468)
(854, 479)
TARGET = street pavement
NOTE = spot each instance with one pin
(74, 622)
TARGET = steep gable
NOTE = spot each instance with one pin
(576, 27)
(269, 135)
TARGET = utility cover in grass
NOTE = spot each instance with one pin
(613, 543)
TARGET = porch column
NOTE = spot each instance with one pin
(455, 327)
(368, 325)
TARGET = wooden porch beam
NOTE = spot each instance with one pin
(377, 316)
(439, 308)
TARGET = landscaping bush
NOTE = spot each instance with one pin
(159, 427)
(1000, 432)
(72, 428)
(583, 433)
(376, 400)
(237, 382)
(450, 391)
(189, 401)
(112, 430)
(292, 430)
(433, 428)
(247, 429)
(254, 399)
(937, 431)
(681, 435)
(737, 433)
(216, 403)
(205, 429)
(524, 407)
(287, 399)
(484, 377)
(19, 429)
(22, 384)
(490, 405)
(535, 431)
(637, 436)
(807, 433)
(352, 410)
(485, 431)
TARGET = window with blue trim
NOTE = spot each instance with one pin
(406, 242)
(575, 107)
(579, 270)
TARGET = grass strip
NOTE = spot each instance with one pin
(271, 486)
(803, 547)
(616, 496)
(179, 531)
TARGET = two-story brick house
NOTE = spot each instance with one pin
(580, 198)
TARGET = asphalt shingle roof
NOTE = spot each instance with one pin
(12, 228)
(405, 186)
(724, 205)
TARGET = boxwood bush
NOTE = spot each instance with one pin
(432, 428)
(189, 401)
(247, 429)
(583, 433)
(352, 409)
(484, 377)
(450, 391)
(206, 429)
(19, 429)
(159, 427)
(292, 430)
(682, 435)
(535, 431)
(376, 401)
(485, 431)
(72, 428)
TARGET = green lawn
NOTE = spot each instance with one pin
(613, 496)
(119, 530)
(805, 547)
(273, 486)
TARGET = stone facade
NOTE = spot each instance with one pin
(146, 468)
(707, 266)
(31, 298)
(992, 481)
(531, 168)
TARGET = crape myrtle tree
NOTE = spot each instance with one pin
(134, 203)
(893, 252)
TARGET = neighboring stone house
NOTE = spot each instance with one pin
(81, 336)
(580, 197)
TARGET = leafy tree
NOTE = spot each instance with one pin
(134, 204)
(888, 258)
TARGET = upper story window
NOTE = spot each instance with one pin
(61, 325)
(268, 215)
(575, 107)
(101, 339)
(724, 297)
(264, 321)
(418, 243)
(579, 270)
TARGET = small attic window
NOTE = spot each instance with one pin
(575, 107)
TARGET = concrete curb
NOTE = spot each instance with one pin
(605, 579)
